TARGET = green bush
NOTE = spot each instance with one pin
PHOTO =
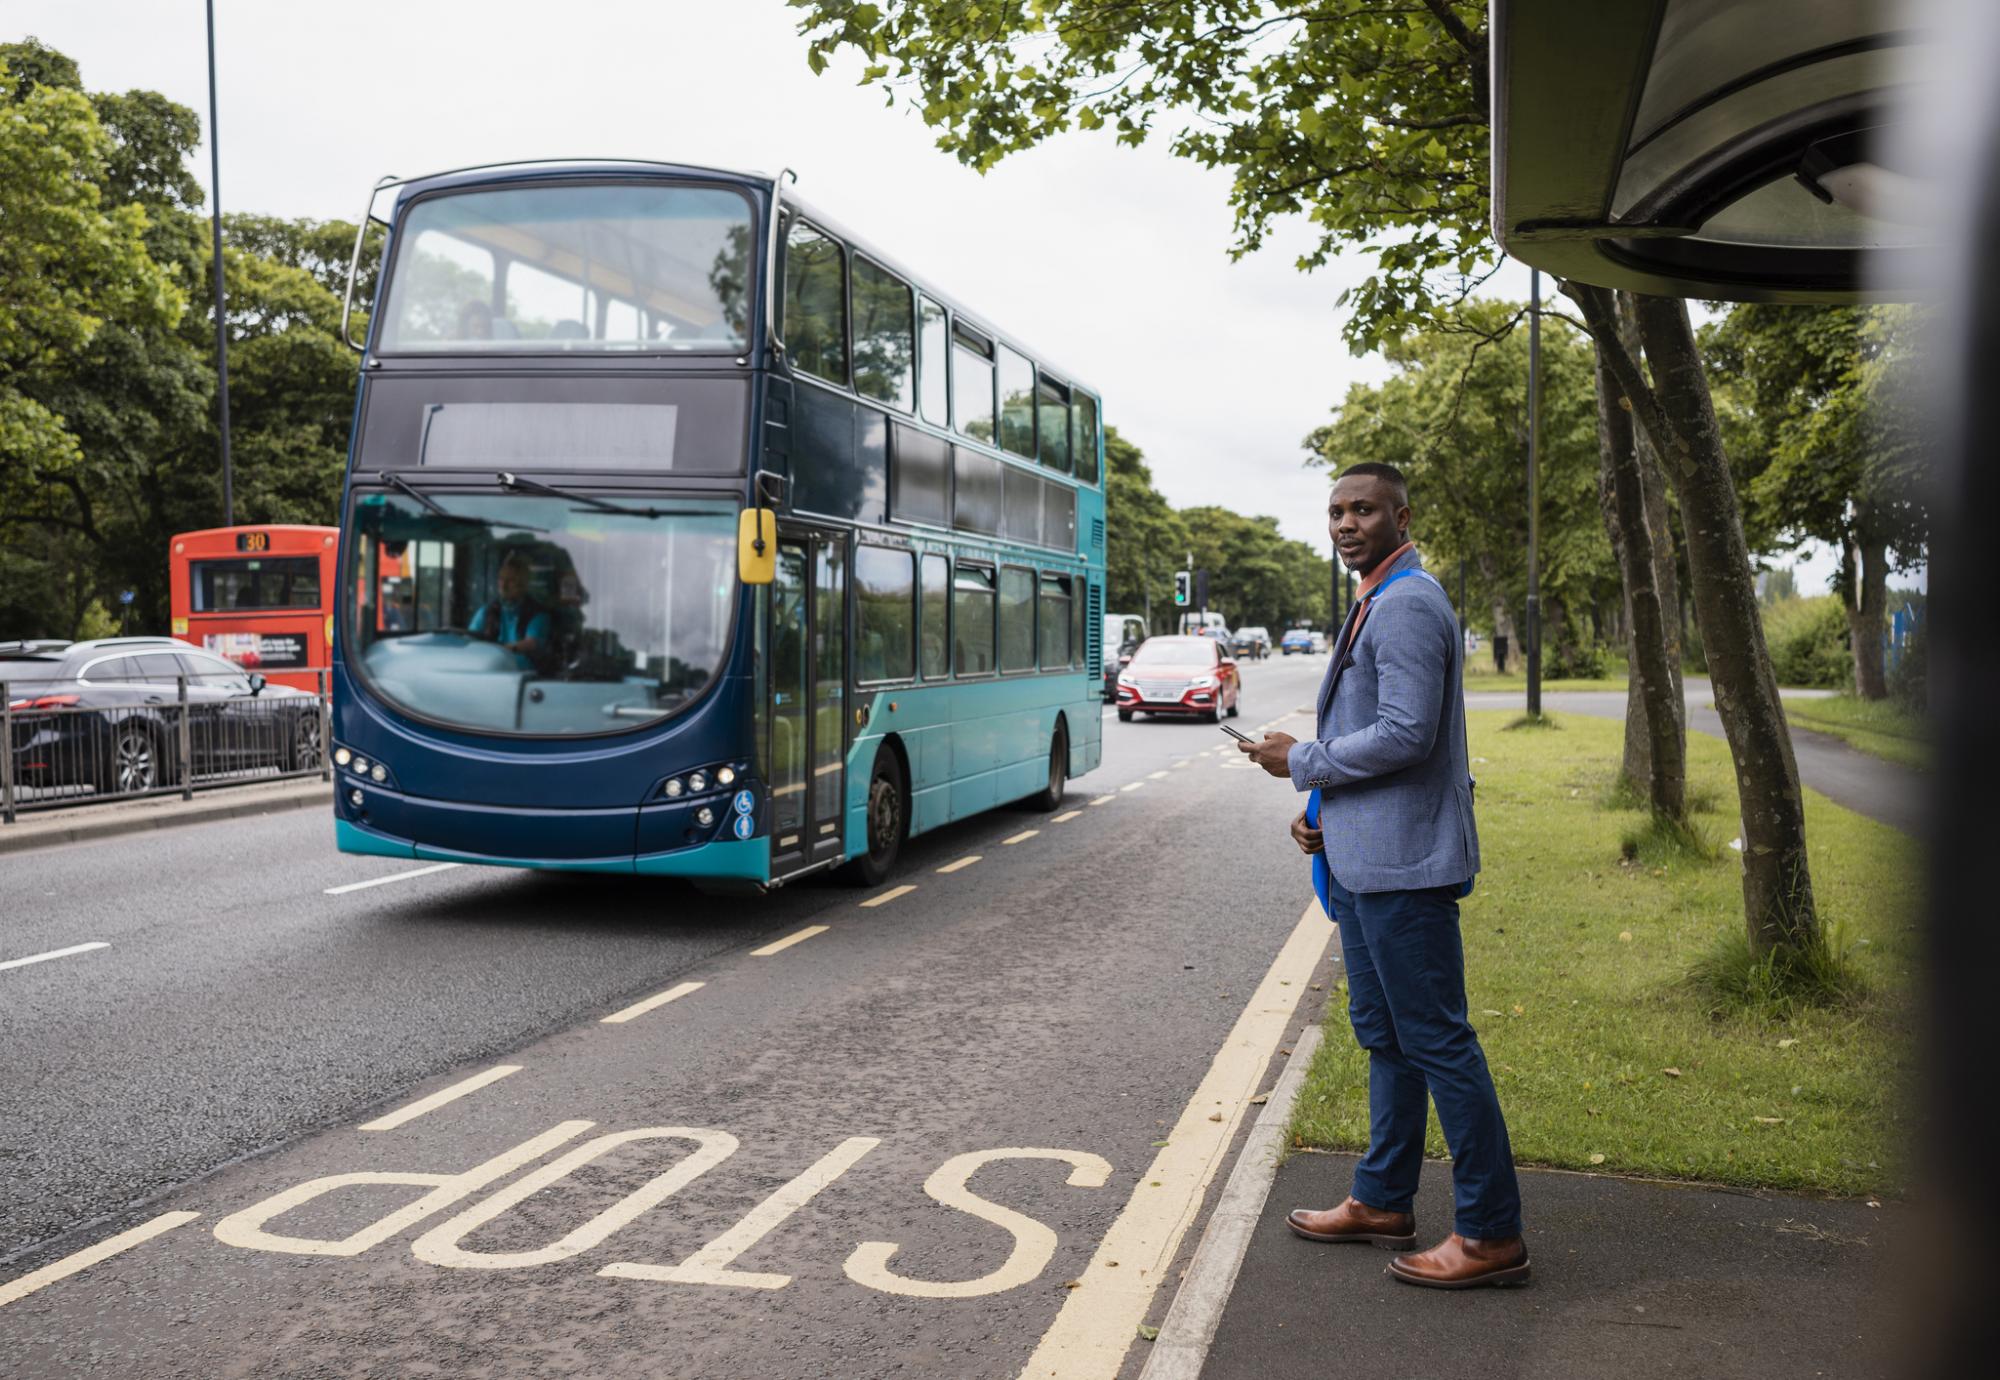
(1808, 642)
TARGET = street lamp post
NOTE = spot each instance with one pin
(1534, 629)
(221, 320)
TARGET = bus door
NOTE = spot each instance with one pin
(808, 708)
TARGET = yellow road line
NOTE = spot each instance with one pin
(1021, 837)
(1188, 763)
(1101, 1316)
(1131, 785)
(392, 1120)
(657, 999)
(891, 894)
(1066, 816)
(780, 945)
(968, 860)
(73, 1264)
(1155, 775)
(1104, 799)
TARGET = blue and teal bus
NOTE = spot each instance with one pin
(686, 534)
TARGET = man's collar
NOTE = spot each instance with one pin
(1402, 556)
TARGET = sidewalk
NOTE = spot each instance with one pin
(76, 824)
(1632, 1278)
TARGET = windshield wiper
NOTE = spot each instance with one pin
(510, 480)
(396, 481)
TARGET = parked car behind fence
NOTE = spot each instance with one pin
(131, 716)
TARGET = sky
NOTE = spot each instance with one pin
(1111, 261)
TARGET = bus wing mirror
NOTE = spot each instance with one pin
(757, 546)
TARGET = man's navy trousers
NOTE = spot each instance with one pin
(1406, 1001)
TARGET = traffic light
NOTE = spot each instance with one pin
(1181, 580)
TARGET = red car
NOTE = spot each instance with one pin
(1179, 675)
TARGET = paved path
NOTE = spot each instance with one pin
(1882, 790)
(1631, 1279)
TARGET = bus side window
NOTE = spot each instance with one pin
(1052, 422)
(1083, 411)
(884, 584)
(1055, 622)
(1017, 618)
(816, 303)
(885, 344)
(937, 617)
(972, 620)
(934, 377)
(972, 382)
(1017, 404)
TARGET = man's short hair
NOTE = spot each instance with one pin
(517, 559)
(1388, 474)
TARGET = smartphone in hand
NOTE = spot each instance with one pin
(1239, 737)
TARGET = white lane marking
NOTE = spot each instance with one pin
(968, 860)
(392, 877)
(710, 1264)
(640, 1008)
(1155, 775)
(1021, 837)
(1104, 800)
(27, 1284)
(1066, 816)
(1034, 1243)
(780, 945)
(53, 953)
(1187, 763)
(1131, 785)
(437, 1099)
(1101, 1316)
(891, 894)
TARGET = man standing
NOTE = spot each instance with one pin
(1389, 826)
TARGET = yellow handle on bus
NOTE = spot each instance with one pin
(757, 546)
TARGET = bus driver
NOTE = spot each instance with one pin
(515, 620)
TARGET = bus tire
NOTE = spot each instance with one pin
(888, 822)
(1050, 797)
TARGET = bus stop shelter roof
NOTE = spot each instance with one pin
(1731, 149)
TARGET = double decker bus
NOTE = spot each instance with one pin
(726, 547)
(260, 596)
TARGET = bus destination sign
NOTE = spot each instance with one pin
(253, 541)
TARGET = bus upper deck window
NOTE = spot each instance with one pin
(561, 269)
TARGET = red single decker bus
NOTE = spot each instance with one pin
(260, 596)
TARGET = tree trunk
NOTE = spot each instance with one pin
(1680, 418)
(1655, 735)
(1865, 611)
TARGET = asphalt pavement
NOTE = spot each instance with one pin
(305, 1114)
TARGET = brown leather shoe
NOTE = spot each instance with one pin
(1460, 1262)
(1354, 1220)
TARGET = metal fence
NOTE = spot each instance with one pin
(179, 739)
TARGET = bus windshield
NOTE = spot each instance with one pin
(585, 269)
(537, 614)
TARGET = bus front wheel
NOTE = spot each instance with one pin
(888, 822)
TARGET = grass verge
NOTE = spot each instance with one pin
(1880, 727)
(1607, 1055)
(1476, 680)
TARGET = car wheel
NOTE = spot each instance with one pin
(888, 822)
(137, 762)
(1124, 716)
(1050, 797)
(303, 751)
(1236, 706)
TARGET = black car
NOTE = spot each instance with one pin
(104, 714)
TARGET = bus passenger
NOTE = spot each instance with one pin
(516, 620)
(475, 321)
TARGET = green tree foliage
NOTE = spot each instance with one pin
(1367, 116)
(129, 385)
(1145, 539)
(1819, 397)
(1454, 419)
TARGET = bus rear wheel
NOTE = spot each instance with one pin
(888, 823)
(1050, 797)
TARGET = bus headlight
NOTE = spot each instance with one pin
(673, 788)
(704, 816)
(379, 772)
(698, 781)
(726, 776)
(354, 799)
(341, 756)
